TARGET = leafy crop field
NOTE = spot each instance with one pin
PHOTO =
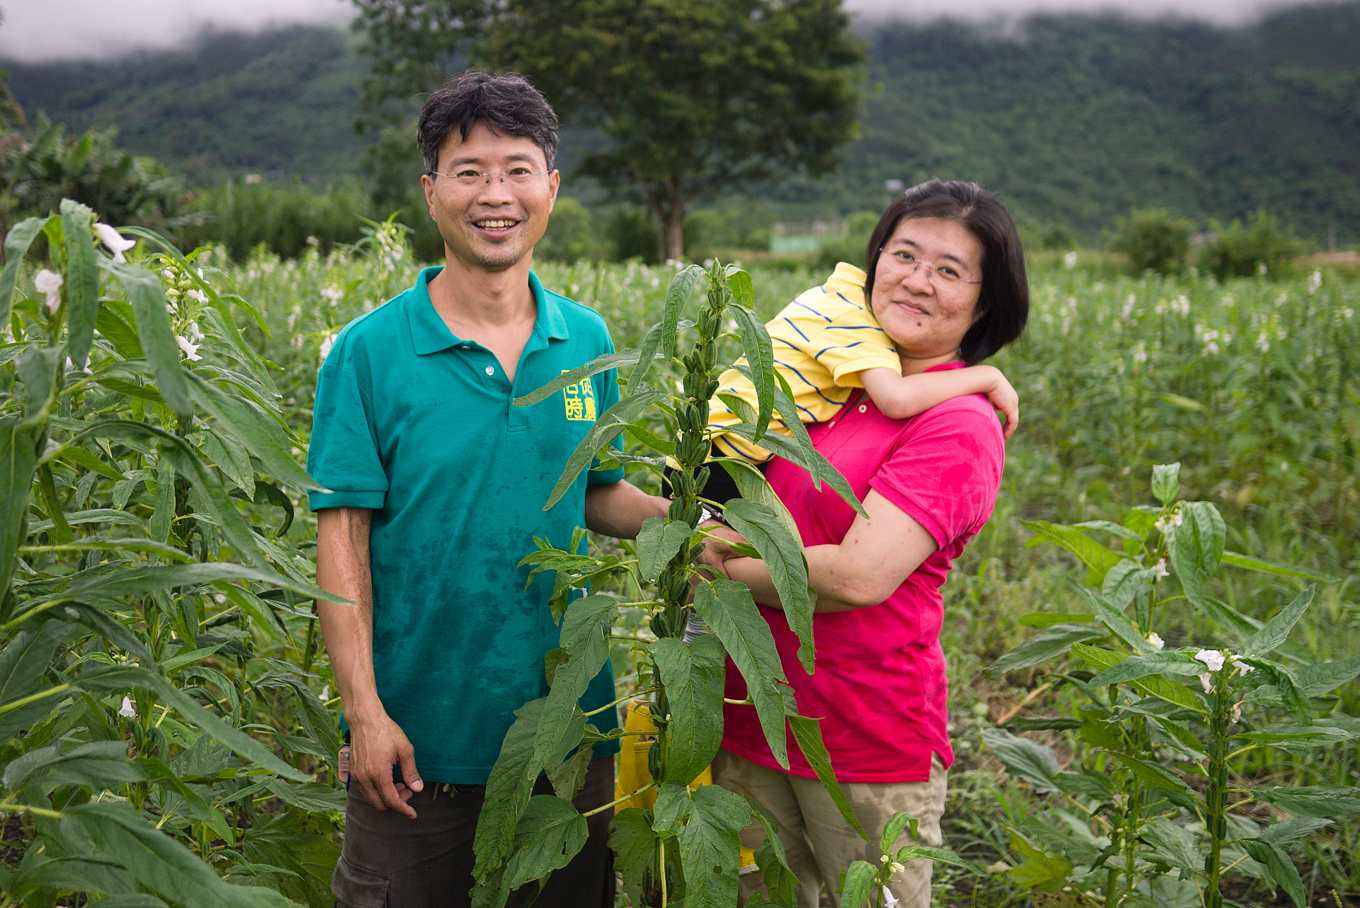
(159, 663)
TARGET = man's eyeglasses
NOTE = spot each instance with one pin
(902, 262)
(518, 175)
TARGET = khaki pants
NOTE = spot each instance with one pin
(819, 843)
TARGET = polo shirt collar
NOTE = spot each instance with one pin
(429, 334)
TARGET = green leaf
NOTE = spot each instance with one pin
(1096, 557)
(751, 486)
(549, 835)
(1038, 870)
(1157, 686)
(783, 556)
(1296, 829)
(756, 345)
(1280, 868)
(1299, 736)
(728, 609)
(96, 765)
(1276, 630)
(1143, 666)
(124, 677)
(893, 829)
(861, 878)
(158, 862)
(606, 428)
(508, 789)
(82, 280)
(114, 322)
(677, 296)
(1166, 483)
(147, 297)
(773, 860)
(672, 809)
(635, 851)
(646, 355)
(18, 460)
(1283, 680)
(1156, 777)
(808, 733)
(23, 664)
(1125, 582)
(256, 432)
(1314, 800)
(585, 643)
(1024, 758)
(140, 580)
(1042, 647)
(739, 282)
(1173, 844)
(1110, 616)
(693, 676)
(17, 241)
(658, 542)
(569, 776)
(1248, 563)
(573, 376)
(809, 459)
(1196, 546)
(1319, 678)
(709, 847)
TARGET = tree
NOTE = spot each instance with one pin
(693, 97)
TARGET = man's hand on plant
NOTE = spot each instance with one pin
(376, 746)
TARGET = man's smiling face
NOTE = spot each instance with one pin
(493, 223)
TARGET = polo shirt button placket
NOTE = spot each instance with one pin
(490, 370)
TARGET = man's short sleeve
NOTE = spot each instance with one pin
(607, 392)
(946, 471)
(343, 455)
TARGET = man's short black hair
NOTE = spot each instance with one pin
(507, 102)
(1003, 306)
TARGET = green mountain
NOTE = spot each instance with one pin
(1073, 119)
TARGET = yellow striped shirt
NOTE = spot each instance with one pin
(822, 341)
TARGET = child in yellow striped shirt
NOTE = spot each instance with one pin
(827, 344)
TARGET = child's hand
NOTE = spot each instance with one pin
(1002, 396)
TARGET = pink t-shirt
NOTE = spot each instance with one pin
(879, 685)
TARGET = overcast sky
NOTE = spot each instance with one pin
(35, 30)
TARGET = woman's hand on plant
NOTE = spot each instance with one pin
(377, 745)
(718, 545)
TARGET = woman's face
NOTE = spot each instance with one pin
(926, 286)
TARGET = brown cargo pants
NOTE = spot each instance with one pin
(389, 861)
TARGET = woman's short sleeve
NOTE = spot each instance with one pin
(946, 471)
(343, 454)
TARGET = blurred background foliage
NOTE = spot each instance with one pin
(1076, 121)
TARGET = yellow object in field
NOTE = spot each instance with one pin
(633, 774)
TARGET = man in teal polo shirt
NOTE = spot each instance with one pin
(435, 487)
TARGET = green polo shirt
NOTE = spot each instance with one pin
(419, 426)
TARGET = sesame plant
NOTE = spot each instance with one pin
(158, 726)
(684, 848)
(1157, 806)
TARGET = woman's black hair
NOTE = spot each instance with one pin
(1003, 305)
(507, 102)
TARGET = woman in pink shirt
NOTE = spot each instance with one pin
(948, 286)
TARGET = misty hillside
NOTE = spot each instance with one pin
(1074, 119)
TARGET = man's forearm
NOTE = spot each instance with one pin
(619, 509)
(342, 567)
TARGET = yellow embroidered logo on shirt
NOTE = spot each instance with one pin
(578, 401)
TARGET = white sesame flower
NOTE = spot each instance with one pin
(1206, 681)
(70, 366)
(127, 710)
(1212, 659)
(1159, 569)
(326, 346)
(195, 334)
(167, 274)
(1237, 711)
(198, 296)
(1263, 342)
(116, 242)
(331, 294)
(190, 349)
(1070, 260)
(1155, 641)
(325, 692)
(49, 283)
(1242, 667)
